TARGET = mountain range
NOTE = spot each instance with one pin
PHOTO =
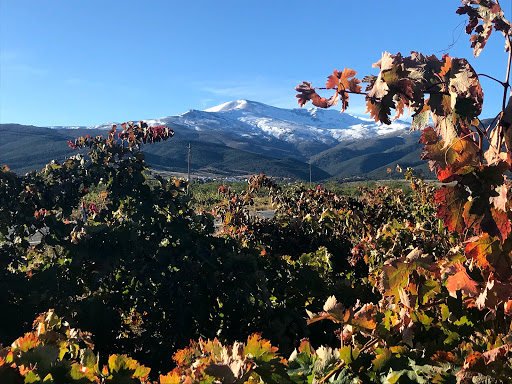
(243, 137)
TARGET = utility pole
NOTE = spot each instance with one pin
(188, 178)
(310, 172)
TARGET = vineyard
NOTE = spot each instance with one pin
(129, 282)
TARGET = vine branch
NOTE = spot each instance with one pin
(493, 78)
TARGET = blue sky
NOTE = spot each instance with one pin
(88, 62)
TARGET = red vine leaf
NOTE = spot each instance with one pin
(451, 200)
(495, 353)
(461, 282)
(478, 248)
(487, 253)
(490, 15)
(308, 93)
(446, 66)
(381, 110)
(502, 223)
(340, 80)
(494, 293)
(507, 307)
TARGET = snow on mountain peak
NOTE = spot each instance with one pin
(229, 106)
(255, 119)
(293, 125)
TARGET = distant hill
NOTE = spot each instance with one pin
(372, 157)
(26, 148)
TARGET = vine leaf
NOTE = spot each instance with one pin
(494, 293)
(308, 93)
(364, 317)
(451, 200)
(126, 366)
(501, 201)
(381, 110)
(259, 348)
(332, 311)
(494, 155)
(420, 120)
(481, 248)
(382, 356)
(445, 128)
(490, 15)
(502, 222)
(495, 353)
(340, 80)
(507, 307)
(25, 343)
(173, 377)
(461, 281)
(361, 316)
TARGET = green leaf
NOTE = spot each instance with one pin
(403, 376)
(445, 312)
(32, 377)
(87, 358)
(382, 356)
(259, 349)
(348, 354)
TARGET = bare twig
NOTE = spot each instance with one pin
(343, 90)
(505, 89)
(492, 78)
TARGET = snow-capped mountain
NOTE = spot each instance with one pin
(244, 137)
(250, 118)
(253, 119)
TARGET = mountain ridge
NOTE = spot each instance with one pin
(242, 136)
(245, 117)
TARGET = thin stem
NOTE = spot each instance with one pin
(489, 129)
(506, 83)
(357, 93)
(490, 125)
(505, 89)
(492, 78)
(333, 371)
(481, 135)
